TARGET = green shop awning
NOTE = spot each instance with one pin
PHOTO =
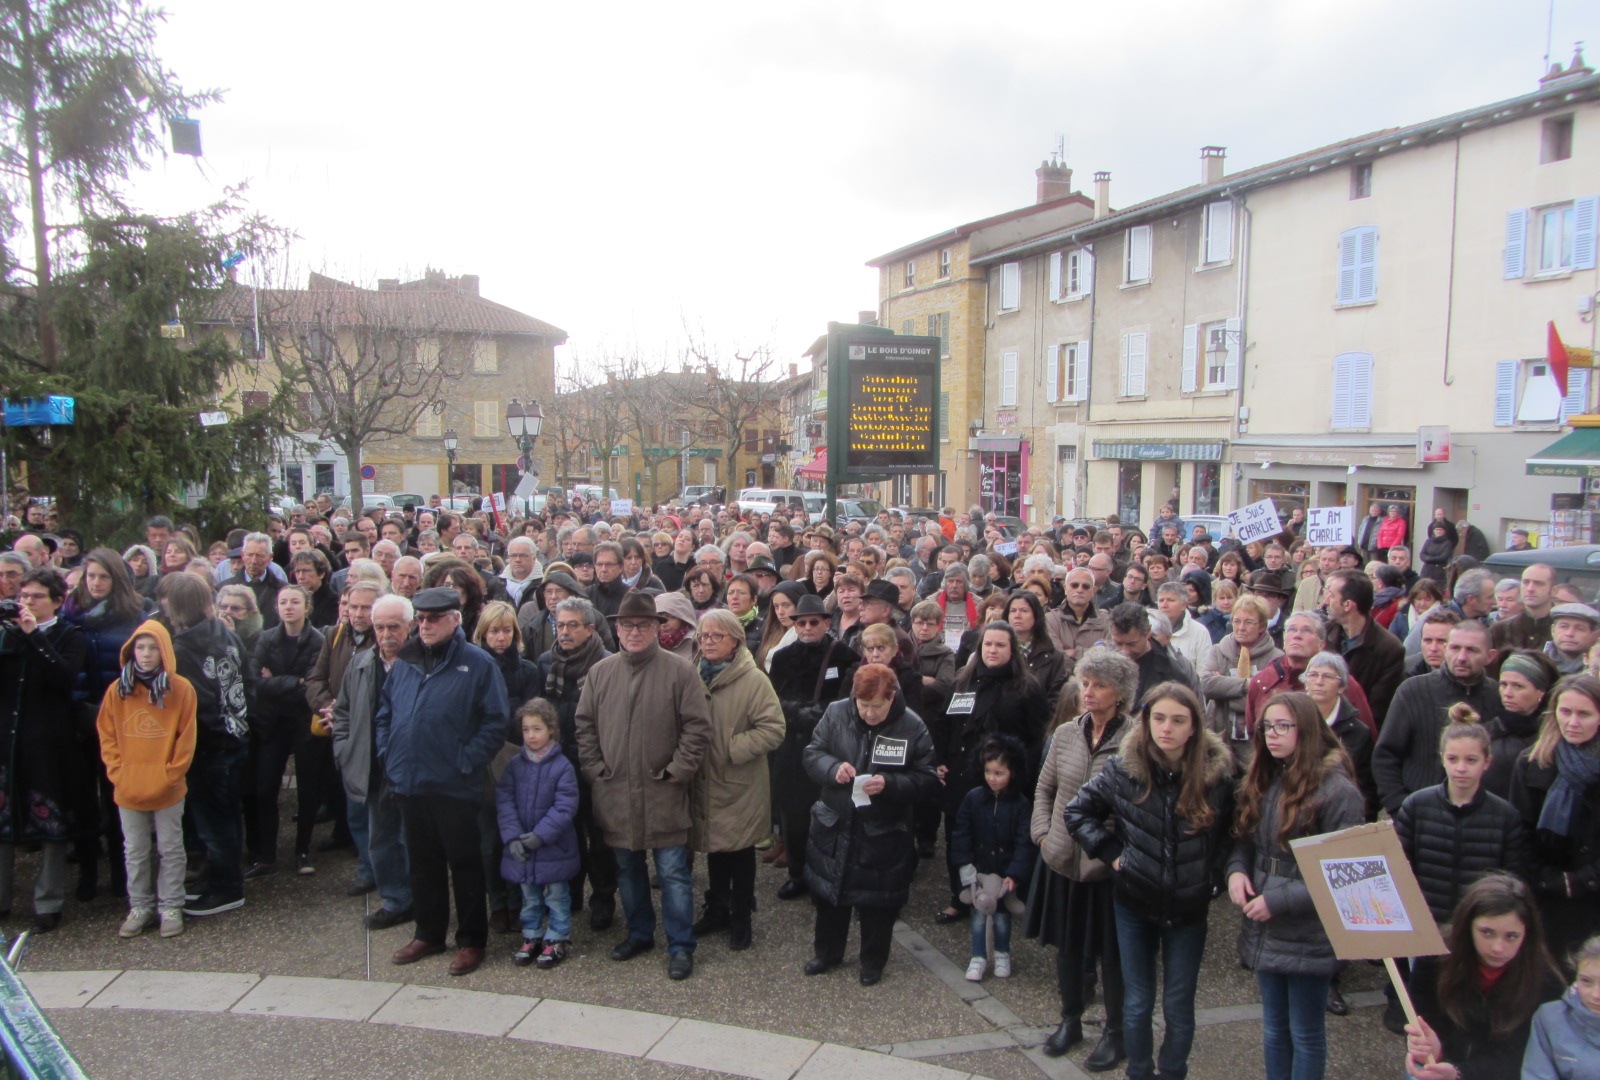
(1577, 454)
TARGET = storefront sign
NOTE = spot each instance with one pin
(1258, 521)
(1159, 451)
(1433, 444)
(1368, 457)
(1328, 526)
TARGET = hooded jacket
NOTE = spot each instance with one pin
(1168, 870)
(147, 749)
(211, 657)
(1565, 1042)
(540, 797)
(1292, 941)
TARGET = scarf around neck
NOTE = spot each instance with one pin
(570, 667)
(156, 682)
(1577, 770)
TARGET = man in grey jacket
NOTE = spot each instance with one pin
(374, 815)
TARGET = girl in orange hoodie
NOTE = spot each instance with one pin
(147, 731)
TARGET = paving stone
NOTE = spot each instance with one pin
(181, 991)
(832, 1062)
(321, 999)
(65, 989)
(469, 1012)
(740, 1051)
(594, 1027)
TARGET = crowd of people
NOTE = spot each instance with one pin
(1109, 729)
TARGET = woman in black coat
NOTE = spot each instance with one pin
(1525, 681)
(994, 695)
(284, 657)
(1437, 551)
(311, 572)
(863, 858)
(40, 769)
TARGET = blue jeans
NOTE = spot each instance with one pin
(214, 803)
(556, 900)
(380, 835)
(1002, 932)
(1294, 1024)
(1180, 949)
(677, 895)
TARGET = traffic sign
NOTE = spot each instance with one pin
(368, 472)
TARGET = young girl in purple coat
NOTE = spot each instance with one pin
(537, 800)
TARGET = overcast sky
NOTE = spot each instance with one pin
(618, 168)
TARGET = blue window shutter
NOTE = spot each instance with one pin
(1367, 264)
(1583, 229)
(1191, 354)
(1230, 370)
(1505, 393)
(1577, 400)
(1349, 248)
(1516, 243)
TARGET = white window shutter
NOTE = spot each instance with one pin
(1010, 286)
(1086, 271)
(1361, 387)
(1138, 354)
(1138, 242)
(1008, 379)
(1191, 357)
(1219, 232)
(1505, 393)
(1348, 250)
(1055, 275)
(1516, 243)
(1577, 400)
(1080, 374)
(1052, 372)
(1230, 368)
(1122, 390)
(1583, 230)
(1367, 265)
(1341, 393)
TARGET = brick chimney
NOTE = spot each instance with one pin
(1211, 163)
(1576, 68)
(867, 318)
(1054, 182)
(1102, 195)
(467, 283)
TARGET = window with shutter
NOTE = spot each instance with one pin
(485, 356)
(430, 425)
(944, 416)
(1052, 372)
(1010, 286)
(1191, 354)
(908, 327)
(1008, 379)
(1358, 265)
(1514, 257)
(1577, 400)
(1505, 393)
(1555, 233)
(1080, 274)
(944, 262)
(485, 419)
(1078, 374)
(1056, 259)
(1136, 262)
(1352, 391)
(1230, 363)
(1585, 211)
(1135, 349)
(1217, 246)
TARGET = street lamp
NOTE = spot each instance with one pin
(450, 444)
(524, 423)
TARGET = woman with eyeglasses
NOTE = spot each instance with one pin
(671, 557)
(741, 596)
(819, 571)
(704, 588)
(1299, 783)
(1226, 672)
(730, 805)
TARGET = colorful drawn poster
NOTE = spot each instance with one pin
(1365, 895)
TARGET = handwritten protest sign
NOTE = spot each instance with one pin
(1258, 521)
(1330, 526)
(621, 507)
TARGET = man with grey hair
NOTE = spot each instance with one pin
(711, 554)
(960, 609)
(1304, 635)
(1507, 600)
(522, 571)
(386, 553)
(374, 814)
(406, 577)
(1474, 594)
(13, 567)
(255, 574)
(980, 576)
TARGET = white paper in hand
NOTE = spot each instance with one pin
(857, 796)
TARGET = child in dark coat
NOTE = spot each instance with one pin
(993, 837)
(537, 802)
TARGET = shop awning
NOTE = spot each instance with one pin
(1577, 454)
(817, 470)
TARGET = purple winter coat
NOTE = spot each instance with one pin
(539, 797)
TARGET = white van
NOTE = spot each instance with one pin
(769, 500)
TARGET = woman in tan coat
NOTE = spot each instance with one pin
(1069, 903)
(730, 807)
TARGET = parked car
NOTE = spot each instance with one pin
(703, 495)
(862, 510)
(770, 500)
(1216, 525)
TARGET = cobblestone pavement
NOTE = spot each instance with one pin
(294, 985)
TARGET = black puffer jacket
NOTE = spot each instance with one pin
(1452, 846)
(1509, 735)
(991, 834)
(800, 676)
(1406, 757)
(1292, 941)
(281, 696)
(1168, 870)
(865, 856)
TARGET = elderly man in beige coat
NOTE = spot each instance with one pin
(643, 723)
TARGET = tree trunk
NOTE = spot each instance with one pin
(352, 458)
(41, 229)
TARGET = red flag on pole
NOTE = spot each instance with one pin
(1556, 354)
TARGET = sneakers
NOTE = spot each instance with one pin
(553, 953)
(213, 904)
(975, 969)
(171, 923)
(260, 870)
(138, 921)
(526, 953)
(302, 865)
(1002, 965)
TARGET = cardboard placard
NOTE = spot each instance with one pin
(1258, 521)
(621, 507)
(1366, 895)
(1330, 526)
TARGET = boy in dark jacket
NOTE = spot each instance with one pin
(993, 837)
(937, 666)
(537, 803)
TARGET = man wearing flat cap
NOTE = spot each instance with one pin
(442, 715)
(1573, 631)
(643, 725)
